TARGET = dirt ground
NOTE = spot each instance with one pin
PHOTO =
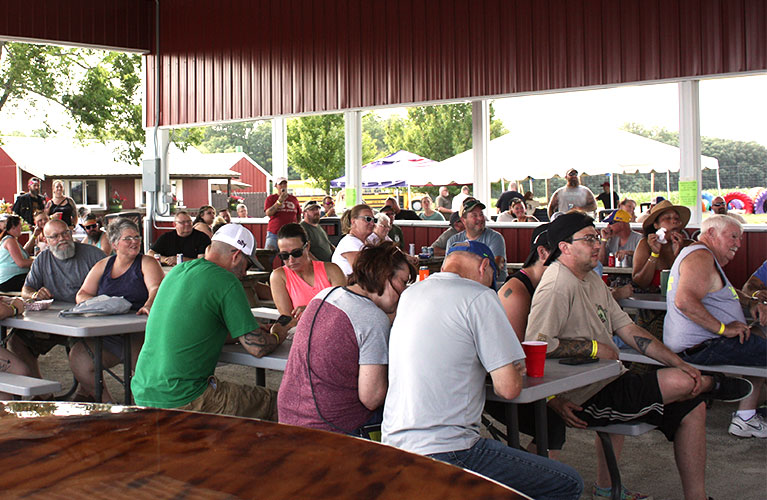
(736, 468)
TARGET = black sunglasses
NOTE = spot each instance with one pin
(717, 204)
(91, 226)
(298, 252)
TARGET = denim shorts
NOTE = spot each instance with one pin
(729, 351)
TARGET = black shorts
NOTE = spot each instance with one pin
(636, 397)
(526, 414)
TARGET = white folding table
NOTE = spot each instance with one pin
(95, 327)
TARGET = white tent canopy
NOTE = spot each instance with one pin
(542, 154)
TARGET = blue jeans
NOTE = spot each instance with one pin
(729, 351)
(535, 476)
(271, 241)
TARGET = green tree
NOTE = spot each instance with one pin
(252, 138)
(98, 89)
(316, 148)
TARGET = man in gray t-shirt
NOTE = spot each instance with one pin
(474, 220)
(319, 244)
(57, 273)
(439, 355)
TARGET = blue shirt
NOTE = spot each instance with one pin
(495, 242)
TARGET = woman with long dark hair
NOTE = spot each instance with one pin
(14, 260)
(336, 377)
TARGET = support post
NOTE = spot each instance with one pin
(279, 149)
(353, 165)
(480, 133)
(689, 143)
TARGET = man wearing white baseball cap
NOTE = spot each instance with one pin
(200, 304)
(281, 208)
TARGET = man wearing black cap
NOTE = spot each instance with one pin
(575, 313)
(572, 195)
(604, 196)
(456, 226)
(474, 220)
(436, 412)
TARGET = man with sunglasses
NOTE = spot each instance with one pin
(328, 207)
(94, 236)
(719, 206)
(574, 312)
(57, 273)
(572, 195)
(198, 306)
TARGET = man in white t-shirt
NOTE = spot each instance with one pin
(458, 199)
(439, 355)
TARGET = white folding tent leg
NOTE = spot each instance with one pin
(353, 164)
(668, 185)
(480, 133)
(279, 148)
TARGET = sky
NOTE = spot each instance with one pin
(731, 108)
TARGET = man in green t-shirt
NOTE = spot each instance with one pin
(199, 304)
(319, 244)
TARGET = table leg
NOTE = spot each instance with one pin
(541, 428)
(127, 368)
(98, 366)
(261, 377)
(512, 425)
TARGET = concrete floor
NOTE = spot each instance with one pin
(736, 468)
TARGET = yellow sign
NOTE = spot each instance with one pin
(688, 193)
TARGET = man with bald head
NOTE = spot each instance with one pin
(57, 273)
(436, 412)
(185, 240)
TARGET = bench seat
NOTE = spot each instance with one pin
(628, 354)
(26, 387)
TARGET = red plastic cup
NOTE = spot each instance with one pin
(535, 354)
(606, 279)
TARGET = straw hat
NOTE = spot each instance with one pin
(684, 213)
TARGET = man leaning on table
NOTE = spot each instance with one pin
(575, 313)
(200, 304)
(705, 323)
(184, 240)
(57, 273)
(439, 355)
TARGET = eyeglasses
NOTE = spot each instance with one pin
(91, 226)
(717, 204)
(64, 235)
(328, 203)
(131, 239)
(573, 173)
(184, 222)
(591, 239)
(367, 218)
(298, 252)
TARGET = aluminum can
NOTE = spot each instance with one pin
(611, 260)
(179, 258)
(423, 273)
(412, 249)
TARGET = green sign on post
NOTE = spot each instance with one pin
(351, 197)
(688, 193)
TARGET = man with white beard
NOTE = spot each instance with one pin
(57, 273)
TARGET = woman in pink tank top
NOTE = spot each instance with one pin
(300, 278)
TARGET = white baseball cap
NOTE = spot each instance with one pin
(240, 238)
(279, 180)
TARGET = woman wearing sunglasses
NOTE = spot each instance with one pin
(129, 274)
(300, 278)
(361, 225)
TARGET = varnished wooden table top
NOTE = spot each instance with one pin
(157, 454)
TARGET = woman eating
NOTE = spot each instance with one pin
(341, 387)
(61, 204)
(14, 260)
(204, 220)
(361, 223)
(128, 274)
(36, 242)
(300, 278)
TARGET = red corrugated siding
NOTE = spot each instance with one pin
(295, 56)
(250, 175)
(125, 24)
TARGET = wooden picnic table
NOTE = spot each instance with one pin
(118, 452)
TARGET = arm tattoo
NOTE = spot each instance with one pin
(263, 341)
(507, 293)
(571, 348)
(642, 343)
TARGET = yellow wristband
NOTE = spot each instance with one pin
(654, 255)
(277, 337)
(549, 398)
(594, 349)
(15, 311)
(721, 328)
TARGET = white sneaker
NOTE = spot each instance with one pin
(753, 427)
